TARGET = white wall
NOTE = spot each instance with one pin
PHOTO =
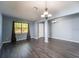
(32, 29)
(0, 30)
(36, 30)
(66, 28)
(7, 29)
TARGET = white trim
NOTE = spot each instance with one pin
(65, 40)
(6, 42)
(36, 37)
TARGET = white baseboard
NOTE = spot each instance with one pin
(6, 42)
(36, 37)
(65, 40)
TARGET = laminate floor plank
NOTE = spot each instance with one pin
(39, 49)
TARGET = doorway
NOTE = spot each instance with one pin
(41, 29)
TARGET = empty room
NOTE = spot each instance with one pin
(39, 29)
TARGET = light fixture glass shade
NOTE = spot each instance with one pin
(54, 21)
(49, 15)
(45, 13)
(42, 15)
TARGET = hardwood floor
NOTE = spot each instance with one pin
(39, 49)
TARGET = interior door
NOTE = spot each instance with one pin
(41, 30)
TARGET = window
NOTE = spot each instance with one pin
(17, 27)
(21, 28)
(24, 28)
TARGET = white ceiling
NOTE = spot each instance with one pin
(27, 11)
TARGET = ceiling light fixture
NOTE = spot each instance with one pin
(46, 15)
(54, 21)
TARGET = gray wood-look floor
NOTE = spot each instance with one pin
(39, 49)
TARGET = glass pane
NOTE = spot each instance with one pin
(17, 27)
(24, 27)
